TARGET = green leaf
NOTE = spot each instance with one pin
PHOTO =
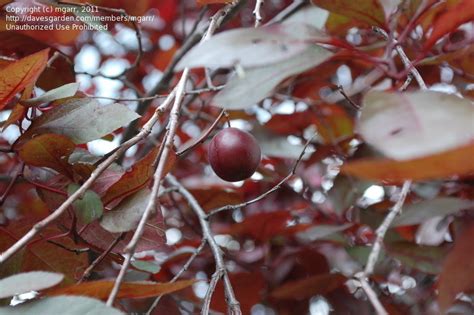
(419, 212)
(64, 91)
(146, 266)
(241, 92)
(89, 207)
(127, 214)
(420, 257)
(28, 281)
(410, 125)
(252, 47)
(70, 305)
(82, 120)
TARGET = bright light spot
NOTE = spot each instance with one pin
(260, 309)
(107, 88)
(84, 81)
(88, 59)
(101, 147)
(21, 298)
(151, 79)
(447, 74)
(408, 282)
(285, 108)
(113, 67)
(297, 185)
(200, 289)
(166, 42)
(108, 45)
(344, 76)
(257, 176)
(262, 115)
(173, 236)
(374, 193)
(319, 306)
(127, 37)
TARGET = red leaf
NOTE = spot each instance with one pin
(248, 289)
(455, 14)
(59, 73)
(369, 11)
(130, 290)
(458, 270)
(137, 177)
(438, 166)
(16, 76)
(308, 287)
(40, 255)
(48, 150)
(261, 226)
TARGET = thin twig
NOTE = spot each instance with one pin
(203, 137)
(256, 12)
(180, 272)
(221, 271)
(403, 56)
(341, 90)
(99, 259)
(158, 96)
(12, 183)
(268, 192)
(371, 295)
(382, 229)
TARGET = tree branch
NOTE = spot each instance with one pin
(221, 271)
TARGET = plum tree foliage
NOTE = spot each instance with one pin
(241, 157)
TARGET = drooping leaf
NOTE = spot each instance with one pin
(48, 150)
(127, 214)
(320, 232)
(28, 281)
(17, 75)
(405, 126)
(240, 92)
(310, 286)
(82, 120)
(252, 47)
(73, 305)
(64, 91)
(427, 259)
(88, 208)
(130, 290)
(458, 270)
(438, 166)
(138, 176)
(455, 14)
(368, 11)
(419, 212)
